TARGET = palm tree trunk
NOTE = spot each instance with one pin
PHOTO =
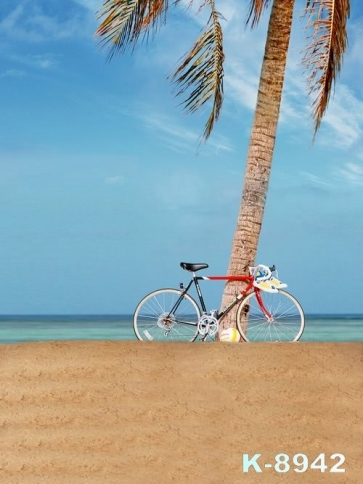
(260, 153)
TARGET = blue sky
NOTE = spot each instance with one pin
(104, 188)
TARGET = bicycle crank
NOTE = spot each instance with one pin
(207, 325)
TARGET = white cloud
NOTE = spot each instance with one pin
(27, 22)
(352, 68)
(91, 5)
(351, 173)
(344, 118)
(39, 61)
(44, 61)
(241, 86)
(8, 24)
(114, 180)
(12, 73)
(179, 138)
(242, 64)
(315, 180)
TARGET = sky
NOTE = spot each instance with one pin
(105, 187)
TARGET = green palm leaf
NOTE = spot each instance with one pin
(327, 21)
(201, 70)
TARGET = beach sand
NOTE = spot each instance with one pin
(133, 412)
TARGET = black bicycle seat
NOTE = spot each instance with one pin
(188, 266)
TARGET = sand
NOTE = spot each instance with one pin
(134, 412)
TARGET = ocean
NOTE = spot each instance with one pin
(18, 329)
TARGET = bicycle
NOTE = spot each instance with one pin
(173, 315)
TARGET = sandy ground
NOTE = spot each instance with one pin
(134, 412)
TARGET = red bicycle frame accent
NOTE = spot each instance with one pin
(249, 280)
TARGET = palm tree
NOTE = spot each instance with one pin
(200, 76)
(326, 23)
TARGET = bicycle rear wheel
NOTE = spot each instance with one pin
(287, 320)
(164, 315)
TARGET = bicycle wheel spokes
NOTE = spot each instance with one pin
(163, 316)
(286, 323)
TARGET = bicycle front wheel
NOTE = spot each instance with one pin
(284, 323)
(166, 315)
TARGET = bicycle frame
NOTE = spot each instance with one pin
(249, 280)
(263, 311)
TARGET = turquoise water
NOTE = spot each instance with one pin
(16, 329)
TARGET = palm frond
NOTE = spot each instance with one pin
(255, 10)
(327, 21)
(201, 70)
(125, 20)
(157, 8)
